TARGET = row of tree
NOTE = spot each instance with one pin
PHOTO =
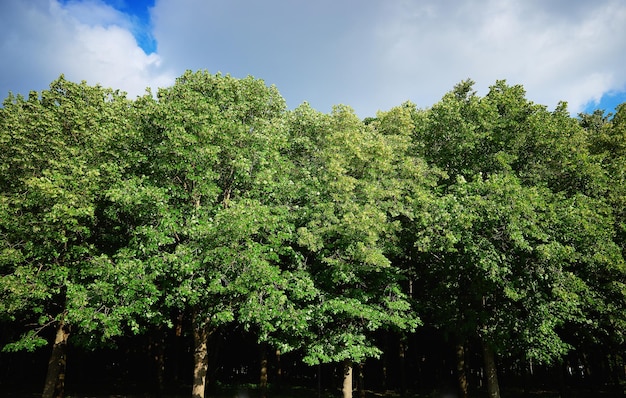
(491, 219)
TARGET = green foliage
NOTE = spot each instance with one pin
(209, 201)
(519, 232)
(57, 160)
(312, 230)
(30, 341)
(606, 142)
(344, 234)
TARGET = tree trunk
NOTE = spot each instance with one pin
(160, 369)
(562, 371)
(385, 361)
(528, 378)
(461, 375)
(402, 364)
(491, 372)
(55, 378)
(347, 379)
(319, 380)
(361, 380)
(157, 347)
(263, 370)
(200, 356)
(279, 372)
(174, 357)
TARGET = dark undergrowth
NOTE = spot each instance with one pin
(247, 391)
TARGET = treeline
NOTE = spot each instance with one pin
(211, 213)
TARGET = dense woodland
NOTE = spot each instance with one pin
(207, 236)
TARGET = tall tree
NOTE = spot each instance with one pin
(213, 160)
(342, 232)
(607, 141)
(490, 241)
(55, 166)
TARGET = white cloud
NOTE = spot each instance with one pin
(376, 54)
(561, 53)
(92, 13)
(370, 54)
(83, 40)
(312, 51)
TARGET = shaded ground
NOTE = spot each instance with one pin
(245, 392)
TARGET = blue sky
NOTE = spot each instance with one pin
(369, 54)
(139, 10)
(608, 102)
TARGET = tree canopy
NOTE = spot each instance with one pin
(211, 206)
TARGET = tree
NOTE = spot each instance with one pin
(212, 185)
(405, 178)
(55, 166)
(490, 240)
(606, 140)
(343, 231)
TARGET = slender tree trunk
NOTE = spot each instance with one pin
(529, 373)
(347, 379)
(55, 378)
(361, 380)
(158, 352)
(385, 361)
(200, 357)
(562, 371)
(263, 370)
(279, 372)
(319, 380)
(491, 371)
(460, 370)
(174, 357)
(402, 358)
